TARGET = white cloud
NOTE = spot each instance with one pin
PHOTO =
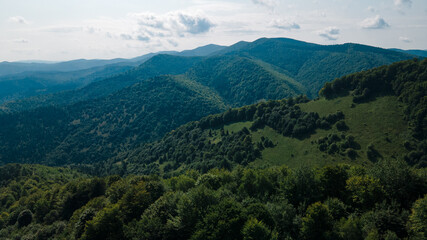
(330, 33)
(284, 24)
(405, 39)
(18, 19)
(403, 3)
(266, 3)
(172, 24)
(376, 22)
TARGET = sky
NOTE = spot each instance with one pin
(59, 30)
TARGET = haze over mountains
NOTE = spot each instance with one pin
(20, 80)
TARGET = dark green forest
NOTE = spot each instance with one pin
(385, 201)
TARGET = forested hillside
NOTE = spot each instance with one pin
(312, 65)
(95, 130)
(368, 116)
(28, 84)
(155, 66)
(242, 81)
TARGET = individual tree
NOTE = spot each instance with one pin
(418, 219)
(256, 230)
(364, 191)
(106, 225)
(317, 222)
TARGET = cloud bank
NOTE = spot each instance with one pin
(18, 19)
(173, 24)
(284, 24)
(376, 22)
(329, 33)
(403, 3)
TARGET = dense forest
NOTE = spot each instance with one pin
(385, 201)
(96, 130)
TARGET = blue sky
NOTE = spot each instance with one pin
(64, 30)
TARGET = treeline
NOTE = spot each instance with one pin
(408, 81)
(205, 144)
(385, 201)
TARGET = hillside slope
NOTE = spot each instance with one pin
(242, 81)
(28, 84)
(311, 64)
(158, 65)
(353, 125)
(92, 131)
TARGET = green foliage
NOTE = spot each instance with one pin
(365, 191)
(256, 230)
(105, 225)
(385, 219)
(317, 222)
(407, 81)
(242, 81)
(223, 221)
(76, 133)
(418, 218)
(107, 83)
(271, 203)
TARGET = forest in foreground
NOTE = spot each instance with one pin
(385, 201)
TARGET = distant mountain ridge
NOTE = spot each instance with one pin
(8, 68)
(417, 52)
(311, 64)
(20, 80)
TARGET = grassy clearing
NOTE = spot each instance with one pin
(379, 123)
(235, 127)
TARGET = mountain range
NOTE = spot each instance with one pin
(20, 80)
(96, 122)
